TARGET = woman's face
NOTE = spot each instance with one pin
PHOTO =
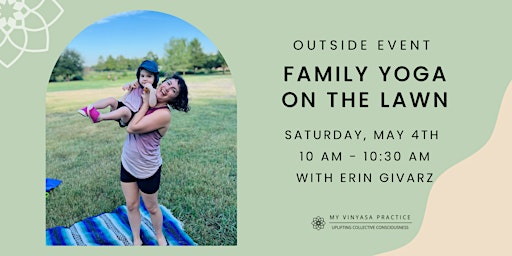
(168, 90)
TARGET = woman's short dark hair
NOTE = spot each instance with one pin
(180, 103)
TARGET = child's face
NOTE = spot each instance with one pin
(146, 77)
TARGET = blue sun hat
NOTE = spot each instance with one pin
(150, 66)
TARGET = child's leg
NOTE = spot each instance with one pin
(100, 104)
(122, 113)
(106, 102)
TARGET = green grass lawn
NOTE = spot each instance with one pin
(199, 173)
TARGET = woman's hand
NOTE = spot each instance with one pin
(145, 94)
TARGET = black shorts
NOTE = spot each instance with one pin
(121, 124)
(148, 185)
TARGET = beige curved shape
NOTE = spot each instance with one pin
(469, 211)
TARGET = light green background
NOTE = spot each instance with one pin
(470, 41)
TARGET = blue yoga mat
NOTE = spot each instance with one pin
(114, 229)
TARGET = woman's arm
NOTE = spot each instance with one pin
(141, 123)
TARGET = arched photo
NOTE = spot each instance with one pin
(141, 136)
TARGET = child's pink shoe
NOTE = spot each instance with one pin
(84, 111)
(94, 114)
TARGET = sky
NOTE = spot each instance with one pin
(133, 34)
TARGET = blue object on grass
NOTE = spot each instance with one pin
(52, 183)
(114, 229)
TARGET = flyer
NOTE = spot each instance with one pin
(354, 127)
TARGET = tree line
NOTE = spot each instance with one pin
(180, 56)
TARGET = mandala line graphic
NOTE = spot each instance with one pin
(318, 223)
(22, 23)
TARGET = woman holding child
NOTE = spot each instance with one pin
(141, 161)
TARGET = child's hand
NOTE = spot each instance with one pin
(131, 85)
